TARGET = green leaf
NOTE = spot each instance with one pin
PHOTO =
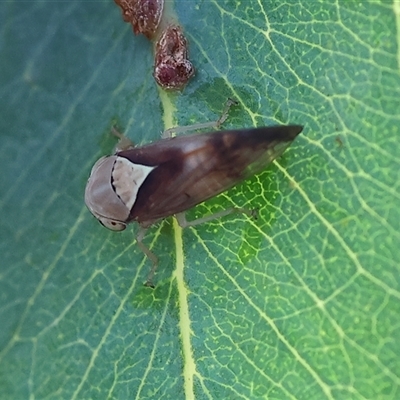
(302, 303)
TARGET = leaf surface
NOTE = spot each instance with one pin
(302, 303)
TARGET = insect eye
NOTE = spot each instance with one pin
(113, 225)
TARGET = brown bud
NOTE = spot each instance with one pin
(144, 15)
(172, 68)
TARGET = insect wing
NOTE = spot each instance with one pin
(191, 169)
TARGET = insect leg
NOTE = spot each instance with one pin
(183, 222)
(209, 125)
(123, 143)
(153, 258)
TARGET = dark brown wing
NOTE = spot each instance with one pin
(193, 168)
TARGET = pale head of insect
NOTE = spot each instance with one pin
(112, 189)
(100, 196)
